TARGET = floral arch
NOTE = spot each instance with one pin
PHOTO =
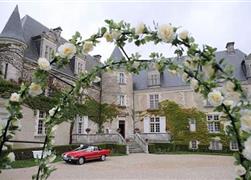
(214, 80)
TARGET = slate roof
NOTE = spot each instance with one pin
(13, 28)
(26, 29)
(140, 81)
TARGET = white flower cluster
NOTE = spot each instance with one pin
(15, 97)
(44, 64)
(67, 50)
(114, 35)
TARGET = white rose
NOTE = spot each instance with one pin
(67, 50)
(115, 34)
(229, 86)
(87, 47)
(228, 103)
(245, 120)
(173, 72)
(97, 79)
(11, 156)
(52, 111)
(183, 35)
(16, 123)
(240, 170)
(185, 77)
(166, 33)
(194, 83)
(53, 129)
(44, 64)
(215, 98)
(35, 89)
(108, 37)
(51, 158)
(247, 151)
(140, 28)
(15, 97)
(208, 70)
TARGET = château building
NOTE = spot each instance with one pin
(132, 93)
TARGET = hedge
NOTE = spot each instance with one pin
(22, 154)
(170, 147)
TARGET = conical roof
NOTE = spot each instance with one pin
(13, 28)
(117, 55)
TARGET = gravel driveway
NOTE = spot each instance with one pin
(139, 166)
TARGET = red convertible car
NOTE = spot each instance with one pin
(85, 153)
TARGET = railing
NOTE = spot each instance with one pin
(156, 137)
(141, 142)
(115, 138)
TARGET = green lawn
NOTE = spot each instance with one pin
(29, 163)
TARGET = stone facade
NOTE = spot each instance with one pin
(131, 93)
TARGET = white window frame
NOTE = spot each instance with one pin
(213, 122)
(154, 101)
(154, 79)
(154, 124)
(121, 78)
(233, 146)
(80, 124)
(192, 122)
(40, 128)
(122, 100)
(215, 145)
(191, 145)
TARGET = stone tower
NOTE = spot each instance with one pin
(12, 46)
(117, 88)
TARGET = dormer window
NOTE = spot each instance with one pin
(81, 67)
(153, 79)
(47, 49)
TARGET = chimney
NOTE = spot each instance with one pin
(57, 31)
(97, 57)
(230, 47)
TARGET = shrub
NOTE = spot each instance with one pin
(170, 147)
(23, 154)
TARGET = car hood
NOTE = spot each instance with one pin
(73, 153)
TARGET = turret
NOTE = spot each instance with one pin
(117, 88)
(12, 36)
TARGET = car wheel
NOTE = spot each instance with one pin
(102, 158)
(81, 161)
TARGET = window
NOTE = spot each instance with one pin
(154, 79)
(213, 124)
(154, 101)
(41, 130)
(121, 78)
(207, 104)
(80, 67)
(234, 146)
(192, 125)
(121, 100)
(193, 144)
(80, 121)
(46, 52)
(154, 124)
(215, 145)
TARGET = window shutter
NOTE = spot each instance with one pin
(126, 101)
(118, 78)
(146, 125)
(190, 144)
(125, 78)
(85, 123)
(36, 122)
(162, 124)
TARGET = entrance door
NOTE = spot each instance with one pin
(122, 128)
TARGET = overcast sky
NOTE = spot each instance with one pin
(210, 23)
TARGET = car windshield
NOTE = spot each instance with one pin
(86, 148)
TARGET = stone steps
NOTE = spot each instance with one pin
(134, 147)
